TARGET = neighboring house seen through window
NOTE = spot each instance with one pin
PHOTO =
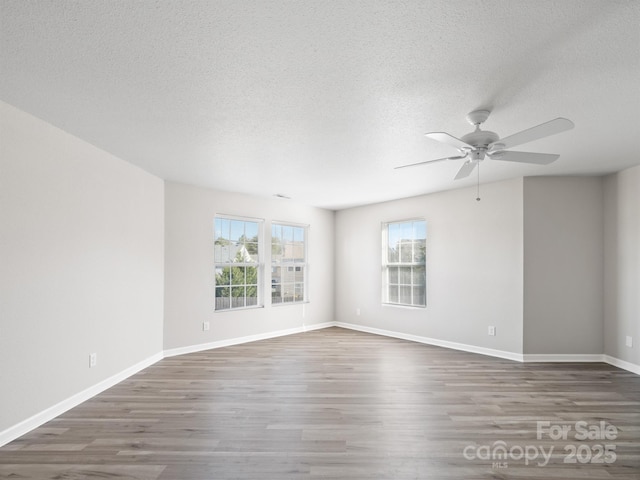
(403, 263)
(238, 263)
(288, 263)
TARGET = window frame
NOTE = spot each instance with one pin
(291, 266)
(258, 264)
(388, 264)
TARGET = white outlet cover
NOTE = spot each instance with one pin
(205, 326)
(629, 341)
(93, 360)
(492, 330)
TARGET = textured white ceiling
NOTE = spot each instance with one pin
(319, 100)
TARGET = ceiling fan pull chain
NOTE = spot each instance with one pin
(478, 185)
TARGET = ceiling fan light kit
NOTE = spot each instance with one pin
(481, 144)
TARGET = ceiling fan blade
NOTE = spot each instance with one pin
(448, 139)
(524, 157)
(534, 133)
(465, 170)
(429, 161)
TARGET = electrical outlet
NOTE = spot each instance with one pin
(629, 341)
(357, 311)
(93, 360)
(492, 330)
(205, 326)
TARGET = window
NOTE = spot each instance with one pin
(288, 263)
(238, 263)
(403, 263)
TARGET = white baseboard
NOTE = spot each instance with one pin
(616, 362)
(586, 358)
(249, 338)
(563, 358)
(50, 413)
(434, 341)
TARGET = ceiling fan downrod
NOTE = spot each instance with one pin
(478, 185)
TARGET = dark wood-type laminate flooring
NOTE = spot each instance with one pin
(340, 404)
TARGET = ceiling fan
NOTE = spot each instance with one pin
(480, 144)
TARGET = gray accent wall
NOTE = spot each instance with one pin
(622, 265)
(563, 265)
(81, 265)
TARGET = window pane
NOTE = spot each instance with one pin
(293, 251)
(406, 231)
(237, 302)
(222, 276)
(288, 291)
(252, 250)
(276, 294)
(296, 251)
(222, 298)
(221, 240)
(251, 275)
(405, 295)
(419, 296)
(276, 250)
(418, 275)
(393, 255)
(276, 274)
(252, 295)
(287, 234)
(237, 230)
(419, 249)
(222, 292)
(406, 253)
(393, 293)
(393, 275)
(405, 275)
(298, 234)
(394, 233)
(222, 229)
(237, 276)
(222, 252)
(251, 231)
(237, 297)
(299, 292)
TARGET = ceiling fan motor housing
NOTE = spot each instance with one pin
(480, 138)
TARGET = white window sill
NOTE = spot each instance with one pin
(253, 307)
(407, 307)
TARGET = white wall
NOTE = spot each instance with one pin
(563, 265)
(622, 264)
(81, 265)
(474, 266)
(189, 267)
